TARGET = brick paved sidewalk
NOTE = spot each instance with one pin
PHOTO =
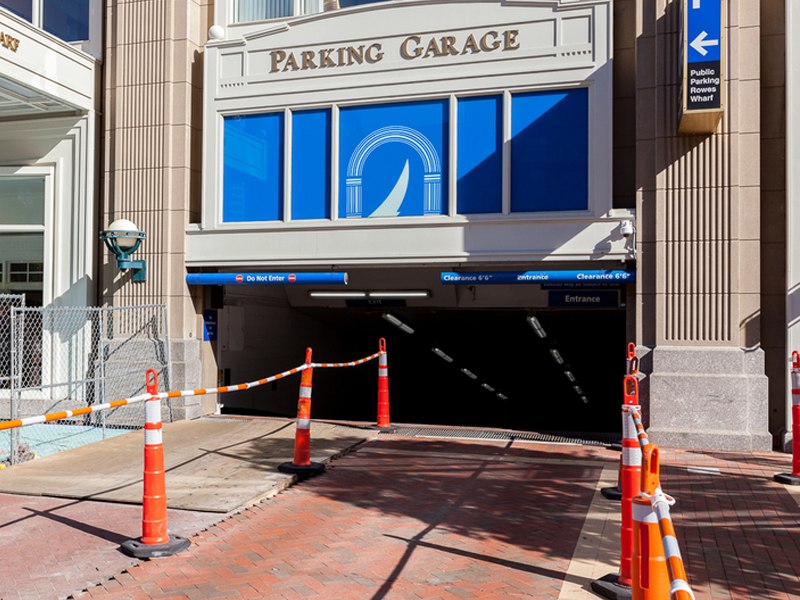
(409, 519)
(396, 519)
(52, 547)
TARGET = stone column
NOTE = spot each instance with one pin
(152, 152)
(698, 290)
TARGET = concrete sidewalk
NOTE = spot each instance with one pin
(419, 518)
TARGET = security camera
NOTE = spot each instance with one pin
(626, 228)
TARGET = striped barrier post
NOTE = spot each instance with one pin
(793, 478)
(618, 587)
(155, 540)
(302, 465)
(650, 579)
(679, 588)
(631, 473)
(631, 368)
(383, 421)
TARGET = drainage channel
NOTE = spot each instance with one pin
(483, 434)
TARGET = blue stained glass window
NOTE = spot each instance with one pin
(550, 151)
(253, 168)
(480, 155)
(67, 19)
(311, 164)
(393, 159)
(22, 8)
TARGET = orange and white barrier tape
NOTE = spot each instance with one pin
(143, 397)
(679, 584)
(636, 415)
(345, 364)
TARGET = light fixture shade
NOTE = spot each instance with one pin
(125, 242)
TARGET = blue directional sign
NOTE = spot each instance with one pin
(704, 30)
(505, 277)
(703, 40)
(266, 278)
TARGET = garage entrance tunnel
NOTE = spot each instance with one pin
(456, 355)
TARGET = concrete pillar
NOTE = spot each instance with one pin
(153, 104)
(698, 205)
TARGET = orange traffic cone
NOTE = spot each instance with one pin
(613, 586)
(302, 465)
(793, 478)
(383, 422)
(155, 541)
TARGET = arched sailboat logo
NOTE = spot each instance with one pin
(390, 207)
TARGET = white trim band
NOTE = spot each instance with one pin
(678, 585)
(643, 514)
(304, 423)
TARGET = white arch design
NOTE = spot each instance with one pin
(432, 196)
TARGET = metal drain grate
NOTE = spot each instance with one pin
(478, 434)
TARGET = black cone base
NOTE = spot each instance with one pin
(313, 469)
(137, 549)
(612, 493)
(389, 429)
(609, 587)
(787, 478)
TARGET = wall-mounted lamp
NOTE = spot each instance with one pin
(123, 238)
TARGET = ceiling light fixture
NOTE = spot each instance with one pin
(487, 386)
(569, 375)
(441, 354)
(320, 294)
(537, 327)
(556, 356)
(469, 373)
(397, 323)
(400, 294)
(578, 390)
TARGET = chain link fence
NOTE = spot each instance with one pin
(7, 302)
(67, 358)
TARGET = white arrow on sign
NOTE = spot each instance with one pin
(700, 42)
